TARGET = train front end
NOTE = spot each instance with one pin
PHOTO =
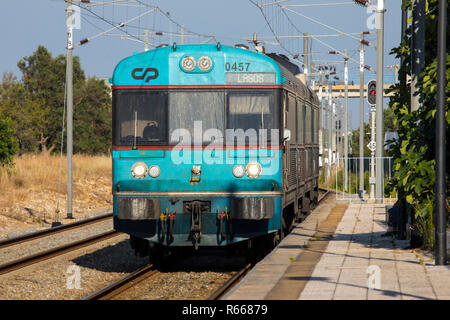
(196, 146)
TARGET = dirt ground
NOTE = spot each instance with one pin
(33, 192)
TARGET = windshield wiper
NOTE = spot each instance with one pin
(135, 130)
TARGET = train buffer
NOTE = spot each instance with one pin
(343, 251)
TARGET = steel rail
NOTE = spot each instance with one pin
(45, 255)
(51, 231)
(219, 293)
(327, 191)
(123, 284)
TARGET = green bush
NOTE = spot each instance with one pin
(8, 144)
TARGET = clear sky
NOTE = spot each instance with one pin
(25, 24)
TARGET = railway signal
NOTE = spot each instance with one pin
(372, 92)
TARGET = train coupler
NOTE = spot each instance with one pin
(172, 216)
(221, 216)
(196, 209)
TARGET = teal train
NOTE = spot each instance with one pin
(212, 146)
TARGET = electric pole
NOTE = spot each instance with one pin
(330, 123)
(345, 121)
(326, 118)
(182, 35)
(440, 206)
(305, 57)
(69, 82)
(379, 103)
(361, 116)
(146, 36)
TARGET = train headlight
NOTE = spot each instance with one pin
(253, 170)
(154, 171)
(188, 63)
(204, 63)
(139, 170)
(238, 171)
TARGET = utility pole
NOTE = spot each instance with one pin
(321, 122)
(379, 102)
(69, 82)
(305, 57)
(146, 36)
(345, 121)
(372, 179)
(338, 124)
(402, 215)
(361, 116)
(441, 211)
(327, 123)
(330, 122)
(182, 35)
(417, 52)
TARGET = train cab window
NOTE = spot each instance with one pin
(196, 108)
(313, 117)
(139, 118)
(256, 111)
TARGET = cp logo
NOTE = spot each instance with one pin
(142, 76)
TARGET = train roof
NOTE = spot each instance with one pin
(163, 67)
(288, 71)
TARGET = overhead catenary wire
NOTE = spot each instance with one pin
(323, 24)
(124, 27)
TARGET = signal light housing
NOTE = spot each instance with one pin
(372, 92)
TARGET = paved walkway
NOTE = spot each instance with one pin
(358, 263)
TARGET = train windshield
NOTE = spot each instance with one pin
(252, 110)
(145, 118)
(159, 117)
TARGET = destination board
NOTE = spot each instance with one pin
(250, 77)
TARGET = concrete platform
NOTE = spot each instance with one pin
(359, 263)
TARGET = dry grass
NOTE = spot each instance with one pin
(29, 191)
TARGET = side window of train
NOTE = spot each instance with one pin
(300, 122)
(304, 123)
(291, 117)
(316, 127)
(308, 124)
(313, 118)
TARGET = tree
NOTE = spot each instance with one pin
(355, 141)
(413, 152)
(8, 144)
(92, 118)
(36, 105)
(43, 79)
(15, 104)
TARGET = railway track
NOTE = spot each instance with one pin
(127, 282)
(51, 253)
(52, 231)
(219, 293)
(123, 284)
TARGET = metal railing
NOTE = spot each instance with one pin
(350, 190)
